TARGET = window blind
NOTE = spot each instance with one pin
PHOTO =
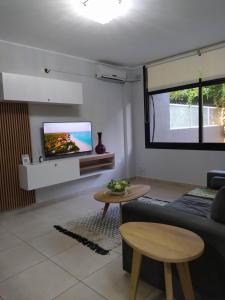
(186, 70)
(213, 64)
(173, 73)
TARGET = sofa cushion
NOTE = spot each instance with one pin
(213, 173)
(218, 207)
(193, 205)
(217, 182)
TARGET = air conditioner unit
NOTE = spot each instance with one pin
(111, 74)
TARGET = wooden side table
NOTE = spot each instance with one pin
(135, 191)
(164, 243)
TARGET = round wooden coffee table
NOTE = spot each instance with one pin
(134, 192)
(164, 243)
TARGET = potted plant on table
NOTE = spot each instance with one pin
(118, 187)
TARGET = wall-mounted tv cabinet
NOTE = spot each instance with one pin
(40, 175)
(24, 88)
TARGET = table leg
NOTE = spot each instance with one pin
(136, 265)
(120, 212)
(168, 281)
(105, 210)
(185, 279)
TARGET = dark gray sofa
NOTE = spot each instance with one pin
(208, 272)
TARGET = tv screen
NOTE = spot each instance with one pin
(67, 138)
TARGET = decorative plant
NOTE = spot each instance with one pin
(213, 95)
(118, 185)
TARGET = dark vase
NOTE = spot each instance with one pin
(100, 148)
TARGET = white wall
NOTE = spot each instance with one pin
(110, 107)
(188, 166)
(105, 104)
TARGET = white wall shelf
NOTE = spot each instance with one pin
(94, 173)
(96, 163)
(40, 175)
(23, 88)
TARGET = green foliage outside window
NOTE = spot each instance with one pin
(213, 95)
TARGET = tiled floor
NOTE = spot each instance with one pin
(39, 263)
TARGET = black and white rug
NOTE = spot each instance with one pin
(100, 235)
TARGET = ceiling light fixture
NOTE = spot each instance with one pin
(102, 11)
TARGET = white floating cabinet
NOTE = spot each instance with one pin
(16, 87)
(40, 175)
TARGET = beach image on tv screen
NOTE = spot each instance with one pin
(67, 138)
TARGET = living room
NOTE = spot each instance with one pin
(112, 114)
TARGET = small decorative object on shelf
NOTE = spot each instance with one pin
(100, 148)
(25, 159)
(118, 187)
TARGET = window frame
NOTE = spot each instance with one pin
(200, 145)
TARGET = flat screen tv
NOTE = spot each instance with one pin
(62, 139)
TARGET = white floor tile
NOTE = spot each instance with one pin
(44, 281)
(2, 229)
(11, 221)
(81, 261)
(31, 229)
(79, 292)
(113, 283)
(8, 240)
(47, 210)
(52, 243)
(17, 259)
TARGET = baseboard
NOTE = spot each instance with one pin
(143, 178)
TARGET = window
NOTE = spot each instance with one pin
(188, 117)
(213, 113)
(172, 118)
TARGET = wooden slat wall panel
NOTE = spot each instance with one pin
(14, 141)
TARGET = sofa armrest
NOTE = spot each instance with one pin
(215, 173)
(213, 233)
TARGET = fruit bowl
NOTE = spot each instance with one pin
(118, 187)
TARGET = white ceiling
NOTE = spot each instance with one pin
(153, 29)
